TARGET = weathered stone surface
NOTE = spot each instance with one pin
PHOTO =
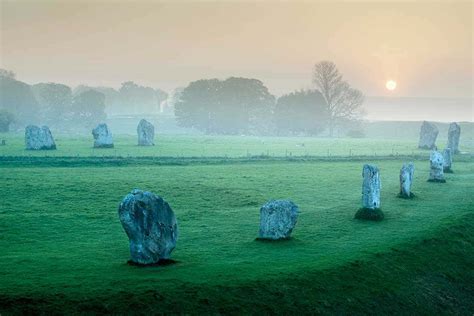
(454, 133)
(150, 225)
(371, 187)
(406, 179)
(277, 219)
(436, 167)
(39, 138)
(447, 160)
(428, 134)
(102, 136)
(146, 133)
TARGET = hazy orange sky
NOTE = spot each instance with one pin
(425, 46)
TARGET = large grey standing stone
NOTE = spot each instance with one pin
(447, 160)
(436, 167)
(150, 225)
(454, 133)
(102, 136)
(406, 179)
(38, 138)
(146, 133)
(277, 219)
(428, 134)
(370, 194)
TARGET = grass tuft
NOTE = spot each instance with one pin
(369, 214)
(437, 180)
(403, 196)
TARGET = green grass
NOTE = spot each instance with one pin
(219, 146)
(64, 250)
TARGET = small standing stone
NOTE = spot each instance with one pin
(102, 136)
(370, 194)
(428, 134)
(454, 133)
(150, 225)
(277, 219)
(4, 142)
(448, 160)
(146, 133)
(39, 138)
(436, 167)
(406, 179)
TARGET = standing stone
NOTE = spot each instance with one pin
(150, 225)
(448, 160)
(102, 136)
(370, 194)
(39, 138)
(146, 133)
(436, 167)
(428, 134)
(454, 133)
(277, 219)
(406, 179)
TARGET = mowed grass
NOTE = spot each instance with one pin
(221, 146)
(61, 240)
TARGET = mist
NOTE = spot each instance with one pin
(165, 46)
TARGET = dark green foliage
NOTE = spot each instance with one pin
(136, 99)
(437, 180)
(369, 214)
(17, 98)
(301, 113)
(55, 102)
(233, 106)
(88, 108)
(6, 118)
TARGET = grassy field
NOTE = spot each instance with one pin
(221, 146)
(64, 250)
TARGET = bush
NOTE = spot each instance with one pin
(6, 118)
(355, 134)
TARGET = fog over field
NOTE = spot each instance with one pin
(166, 45)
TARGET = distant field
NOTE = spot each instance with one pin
(63, 248)
(221, 146)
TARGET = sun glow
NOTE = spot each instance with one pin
(391, 85)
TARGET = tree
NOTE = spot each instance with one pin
(342, 101)
(232, 106)
(7, 73)
(6, 118)
(88, 108)
(196, 105)
(55, 101)
(301, 112)
(17, 98)
(138, 99)
(171, 100)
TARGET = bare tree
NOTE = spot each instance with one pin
(342, 102)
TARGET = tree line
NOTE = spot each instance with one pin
(245, 106)
(60, 107)
(234, 106)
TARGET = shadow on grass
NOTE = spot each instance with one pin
(161, 263)
(271, 241)
(403, 196)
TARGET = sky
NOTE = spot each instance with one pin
(425, 46)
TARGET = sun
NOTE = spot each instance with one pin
(391, 85)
